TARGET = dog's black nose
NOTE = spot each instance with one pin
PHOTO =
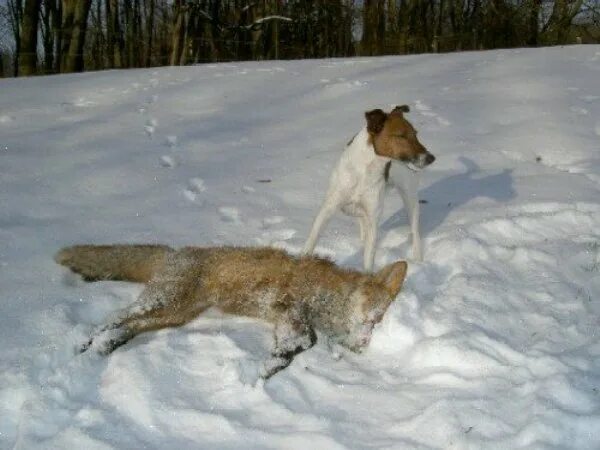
(429, 159)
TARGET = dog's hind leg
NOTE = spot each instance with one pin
(410, 198)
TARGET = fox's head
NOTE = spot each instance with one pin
(394, 137)
(370, 301)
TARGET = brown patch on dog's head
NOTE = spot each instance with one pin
(375, 120)
(394, 137)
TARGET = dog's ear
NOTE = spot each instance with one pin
(401, 109)
(392, 277)
(375, 120)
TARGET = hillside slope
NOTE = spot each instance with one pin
(493, 343)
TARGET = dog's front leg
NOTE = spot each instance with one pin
(414, 227)
(327, 210)
(370, 240)
(371, 205)
(362, 226)
(293, 335)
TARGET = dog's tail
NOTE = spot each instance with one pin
(114, 262)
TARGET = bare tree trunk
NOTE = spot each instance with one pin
(560, 20)
(67, 24)
(177, 35)
(136, 47)
(369, 34)
(127, 10)
(57, 32)
(110, 35)
(534, 24)
(15, 9)
(27, 56)
(215, 13)
(48, 37)
(98, 49)
(114, 35)
(150, 33)
(75, 27)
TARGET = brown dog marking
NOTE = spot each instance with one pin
(393, 136)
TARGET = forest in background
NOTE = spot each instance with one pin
(61, 36)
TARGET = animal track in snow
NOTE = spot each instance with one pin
(197, 184)
(425, 110)
(171, 141)
(150, 127)
(229, 214)
(195, 187)
(167, 161)
(579, 110)
(273, 220)
(80, 102)
(190, 195)
(272, 236)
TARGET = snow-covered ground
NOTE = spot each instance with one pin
(493, 343)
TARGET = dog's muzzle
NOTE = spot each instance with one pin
(422, 161)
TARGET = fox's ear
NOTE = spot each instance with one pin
(392, 277)
(375, 120)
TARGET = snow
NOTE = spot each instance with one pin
(493, 342)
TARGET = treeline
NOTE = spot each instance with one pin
(59, 36)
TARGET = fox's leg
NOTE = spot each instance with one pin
(293, 335)
(165, 302)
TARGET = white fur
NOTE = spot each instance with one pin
(356, 187)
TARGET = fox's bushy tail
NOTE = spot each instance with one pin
(114, 262)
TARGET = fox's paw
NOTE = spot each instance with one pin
(106, 341)
(112, 340)
(85, 347)
(273, 365)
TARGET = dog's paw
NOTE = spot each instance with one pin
(417, 254)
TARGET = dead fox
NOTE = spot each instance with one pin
(297, 294)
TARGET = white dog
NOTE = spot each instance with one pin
(358, 181)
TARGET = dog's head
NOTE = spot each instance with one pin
(394, 137)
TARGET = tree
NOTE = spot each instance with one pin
(74, 25)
